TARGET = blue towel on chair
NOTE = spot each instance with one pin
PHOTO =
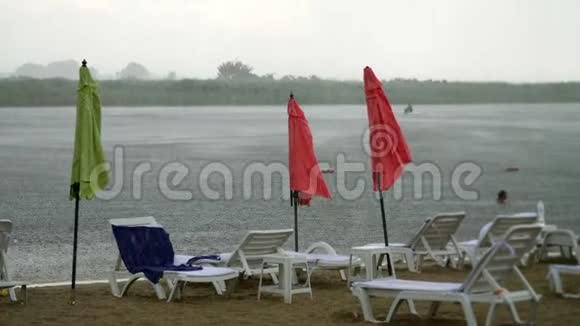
(147, 250)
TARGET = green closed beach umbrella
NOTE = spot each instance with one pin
(88, 174)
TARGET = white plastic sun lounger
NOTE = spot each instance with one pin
(248, 255)
(175, 279)
(562, 238)
(493, 232)
(435, 239)
(324, 257)
(256, 244)
(5, 280)
(485, 284)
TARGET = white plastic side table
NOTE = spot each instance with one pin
(286, 265)
(369, 254)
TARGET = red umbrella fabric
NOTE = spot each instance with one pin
(305, 175)
(388, 149)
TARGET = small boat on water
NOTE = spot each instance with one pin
(409, 109)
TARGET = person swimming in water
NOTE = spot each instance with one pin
(502, 197)
(500, 209)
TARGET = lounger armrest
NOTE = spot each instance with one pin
(563, 237)
(323, 246)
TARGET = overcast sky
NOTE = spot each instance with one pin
(526, 40)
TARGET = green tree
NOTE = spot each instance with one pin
(233, 70)
(172, 75)
(134, 70)
(31, 70)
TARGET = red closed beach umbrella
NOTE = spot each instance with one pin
(306, 179)
(388, 149)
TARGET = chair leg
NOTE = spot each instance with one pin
(308, 284)
(274, 278)
(419, 263)
(490, 320)
(394, 307)
(232, 284)
(461, 262)
(159, 291)
(533, 314)
(219, 289)
(180, 293)
(411, 306)
(411, 263)
(4, 276)
(434, 308)
(12, 295)
(169, 282)
(515, 316)
(260, 282)
(174, 289)
(114, 285)
(24, 294)
(450, 263)
(342, 275)
(555, 281)
(288, 282)
(468, 311)
(365, 304)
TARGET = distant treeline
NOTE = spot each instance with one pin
(61, 92)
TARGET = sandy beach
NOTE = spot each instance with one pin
(332, 305)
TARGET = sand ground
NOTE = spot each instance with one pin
(332, 305)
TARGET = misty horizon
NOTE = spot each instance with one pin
(512, 41)
(176, 75)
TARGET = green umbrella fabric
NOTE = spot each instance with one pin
(88, 152)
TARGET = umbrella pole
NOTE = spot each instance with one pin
(295, 200)
(384, 218)
(76, 190)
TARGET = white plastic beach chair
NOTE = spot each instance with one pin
(493, 232)
(258, 243)
(248, 255)
(5, 280)
(175, 279)
(435, 239)
(486, 283)
(562, 238)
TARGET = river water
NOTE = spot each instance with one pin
(36, 147)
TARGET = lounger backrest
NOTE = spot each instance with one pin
(130, 221)
(498, 264)
(437, 231)
(256, 244)
(502, 223)
(5, 230)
